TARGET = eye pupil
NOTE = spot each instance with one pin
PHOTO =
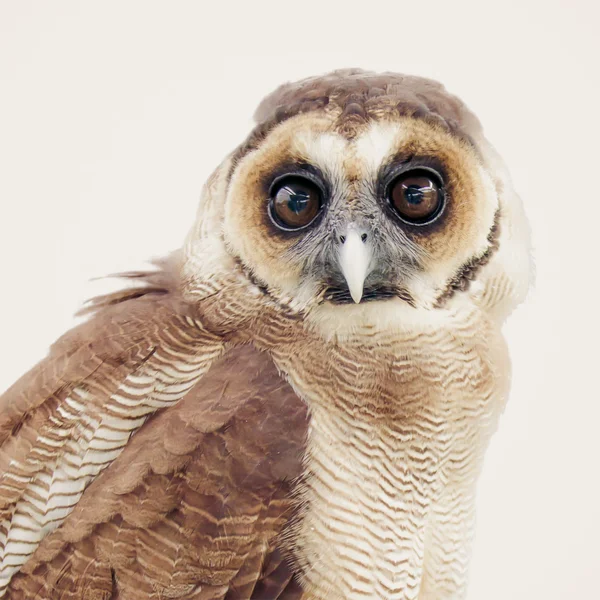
(295, 203)
(414, 194)
(417, 196)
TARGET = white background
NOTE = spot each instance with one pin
(113, 113)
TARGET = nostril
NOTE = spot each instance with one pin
(363, 237)
(343, 239)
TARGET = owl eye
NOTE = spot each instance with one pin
(295, 202)
(417, 196)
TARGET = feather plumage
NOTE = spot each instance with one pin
(194, 500)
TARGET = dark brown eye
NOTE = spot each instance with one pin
(417, 196)
(296, 202)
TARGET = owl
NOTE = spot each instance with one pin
(295, 404)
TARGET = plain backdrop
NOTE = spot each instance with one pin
(113, 114)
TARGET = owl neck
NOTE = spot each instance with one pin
(397, 419)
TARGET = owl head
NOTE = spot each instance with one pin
(360, 198)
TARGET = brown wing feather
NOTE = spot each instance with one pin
(194, 505)
(195, 498)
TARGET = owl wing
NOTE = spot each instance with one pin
(191, 506)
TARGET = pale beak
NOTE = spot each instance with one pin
(355, 260)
